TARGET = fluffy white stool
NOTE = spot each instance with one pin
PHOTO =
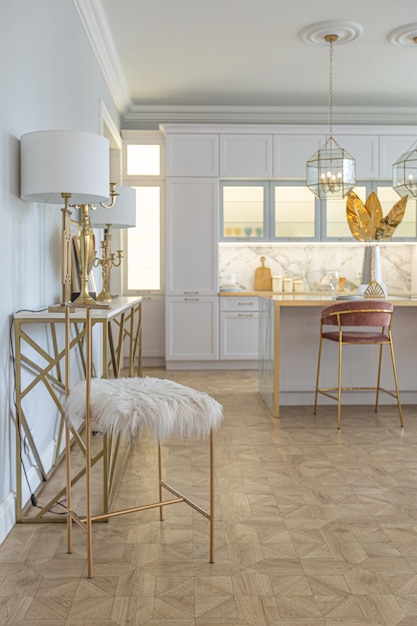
(132, 406)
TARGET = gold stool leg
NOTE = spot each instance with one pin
(394, 369)
(212, 496)
(378, 382)
(318, 373)
(68, 432)
(339, 386)
(161, 515)
(89, 524)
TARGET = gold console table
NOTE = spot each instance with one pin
(40, 369)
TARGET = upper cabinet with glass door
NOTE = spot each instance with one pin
(334, 225)
(244, 208)
(295, 213)
(334, 222)
(407, 228)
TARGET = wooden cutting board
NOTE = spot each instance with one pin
(263, 277)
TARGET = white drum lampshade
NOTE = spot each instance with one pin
(54, 162)
(121, 215)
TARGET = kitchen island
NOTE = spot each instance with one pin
(289, 327)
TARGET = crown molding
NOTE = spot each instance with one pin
(98, 33)
(141, 114)
(136, 115)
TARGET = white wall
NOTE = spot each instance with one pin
(50, 80)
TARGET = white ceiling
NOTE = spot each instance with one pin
(176, 55)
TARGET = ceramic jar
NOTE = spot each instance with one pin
(298, 284)
(277, 283)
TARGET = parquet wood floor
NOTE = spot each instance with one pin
(315, 527)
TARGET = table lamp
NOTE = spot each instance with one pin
(68, 166)
(121, 215)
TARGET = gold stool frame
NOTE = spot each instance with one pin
(339, 329)
(86, 522)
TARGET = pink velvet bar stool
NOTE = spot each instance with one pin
(354, 323)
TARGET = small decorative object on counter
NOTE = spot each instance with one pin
(277, 282)
(229, 283)
(287, 284)
(263, 277)
(298, 284)
(341, 283)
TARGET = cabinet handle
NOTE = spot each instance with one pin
(191, 293)
(245, 303)
(245, 314)
(191, 299)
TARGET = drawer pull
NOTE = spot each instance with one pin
(245, 315)
(245, 303)
(191, 299)
(191, 293)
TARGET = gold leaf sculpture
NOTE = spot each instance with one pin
(366, 221)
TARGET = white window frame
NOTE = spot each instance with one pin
(141, 137)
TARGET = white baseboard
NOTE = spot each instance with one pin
(7, 516)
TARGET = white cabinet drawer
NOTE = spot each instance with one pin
(238, 303)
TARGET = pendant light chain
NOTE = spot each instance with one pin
(331, 39)
(331, 170)
(331, 88)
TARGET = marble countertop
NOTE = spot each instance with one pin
(317, 297)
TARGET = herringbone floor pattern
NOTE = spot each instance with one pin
(314, 528)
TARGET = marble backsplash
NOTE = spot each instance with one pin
(311, 262)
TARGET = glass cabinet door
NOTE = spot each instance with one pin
(407, 228)
(335, 224)
(335, 221)
(295, 212)
(244, 207)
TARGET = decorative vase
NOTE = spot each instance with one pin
(371, 270)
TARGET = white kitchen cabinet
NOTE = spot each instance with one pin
(188, 154)
(246, 156)
(153, 327)
(191, 329)
(291, 153)
(391, 147)
(191, 236)
(239, 322)
(365, 150)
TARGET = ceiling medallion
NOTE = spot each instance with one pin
(404, 35)
(345, 30)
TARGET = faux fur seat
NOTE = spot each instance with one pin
(131, 406)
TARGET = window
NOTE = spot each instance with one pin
(143, 170)
(144, 242)
(143, 160)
